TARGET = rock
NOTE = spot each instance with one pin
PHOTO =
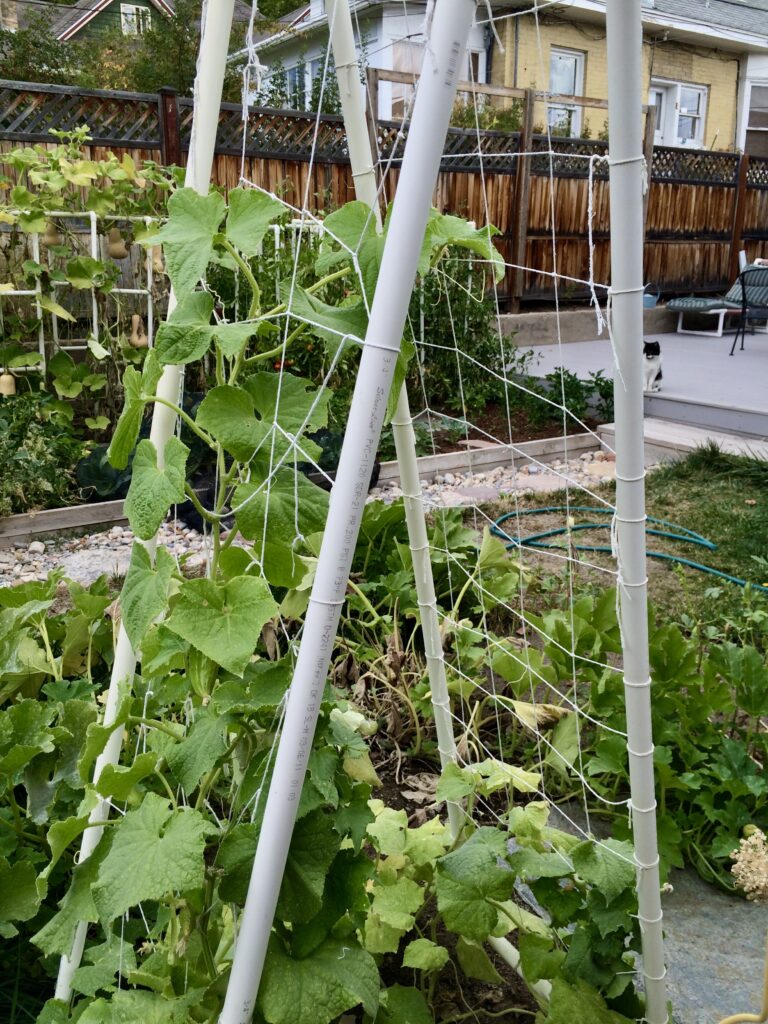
(477, 495)
(36, 548)
(7, 560)
(449, 479)
(604, 470)
(533, 470)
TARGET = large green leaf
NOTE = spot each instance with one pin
(292, 402)
(200, 749)
(188, 236)
(468, 878)
(130, 1006)
(579, 1003)
(167, 845)
(24, 733)
(118, 781)
(609, 865)
(403, 1005)
(250, 214)
(19, 898)
(229, 416)
(153, 490)
(223, 622)
(334, 324)
(186, 335)
(314, 845)
(444, 230)
(337, 976)
(273, 516)
(145, 591)
(55, 937)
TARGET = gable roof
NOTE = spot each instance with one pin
(73, 19)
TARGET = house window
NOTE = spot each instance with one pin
(756, 143)
(134, 20)
(566, 78)
(296, 78)
(680, 110)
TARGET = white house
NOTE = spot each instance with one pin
(392, 38)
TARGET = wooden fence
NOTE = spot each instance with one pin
(702, 207)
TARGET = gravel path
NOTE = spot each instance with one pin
(87, 557)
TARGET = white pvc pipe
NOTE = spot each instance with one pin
(625, 104)
(209, 83)
(437, 89)
(364, 177)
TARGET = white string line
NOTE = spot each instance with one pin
(528, 10)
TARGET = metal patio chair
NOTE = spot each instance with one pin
(753, 285)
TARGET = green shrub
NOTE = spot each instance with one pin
(38, 454)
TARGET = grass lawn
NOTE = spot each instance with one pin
(724, 498)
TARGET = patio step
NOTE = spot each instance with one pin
(666, 439)
(726, 418)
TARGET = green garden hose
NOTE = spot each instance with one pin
(672, 532)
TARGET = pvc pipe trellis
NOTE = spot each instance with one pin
(96, 243)
(437, 89)
(366, 189)
(626, 161)
(217, 24)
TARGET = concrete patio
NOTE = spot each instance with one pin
(703, 387)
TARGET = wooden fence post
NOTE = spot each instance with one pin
(738, 218)
(170, 143)
(372, 107)
(648, 134)
(522, 197)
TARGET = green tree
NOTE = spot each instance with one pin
(34, 54)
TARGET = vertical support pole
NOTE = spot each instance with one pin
(522, 201)
(170, 136)
(739, 210)
(364, 177)
(437, 89)
(624, 38)
(209, 83)
(94, 256)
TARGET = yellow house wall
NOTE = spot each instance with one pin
(718, 71)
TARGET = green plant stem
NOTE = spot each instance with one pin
(186, 419)
(151, 723)
(208, 516)
(20, 832)
(261, 357)
(55, 670)
(376, 618)
(253, 284)
(210, 779)
(328, 279)
(166, 786)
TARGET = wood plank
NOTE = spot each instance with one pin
(29, 524)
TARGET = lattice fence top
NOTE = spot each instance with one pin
(570, 157)
(695, 167)
(464, 150)
(114, 118)
(279, 134)
(757, 172)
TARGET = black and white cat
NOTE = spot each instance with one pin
(652, 375)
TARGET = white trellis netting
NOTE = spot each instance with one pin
(448, 21)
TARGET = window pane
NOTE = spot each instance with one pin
(561, 120)
(563, 73)
(756, 144)
(758, 107)
(687, 127)
(690, 101)
(656, 99)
